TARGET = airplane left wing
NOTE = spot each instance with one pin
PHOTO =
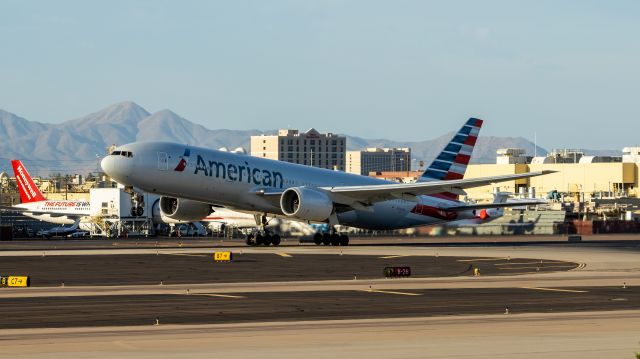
(369, 194)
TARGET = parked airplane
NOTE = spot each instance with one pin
(59, 231)
(190, 179)
(36, 206)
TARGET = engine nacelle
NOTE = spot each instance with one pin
(179, 209)
(305, 203)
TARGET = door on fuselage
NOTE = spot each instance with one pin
(163, 161)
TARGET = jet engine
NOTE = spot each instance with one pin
(305, 203)
(179, 209)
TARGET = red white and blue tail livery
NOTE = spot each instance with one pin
(451, 163)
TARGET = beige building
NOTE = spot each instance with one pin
(589, 177)
(312, 148)
(577, 177)
(378, 160)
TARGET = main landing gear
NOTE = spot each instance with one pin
(262, 236)
(332, 238)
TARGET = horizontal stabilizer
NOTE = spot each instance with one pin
(494, 205)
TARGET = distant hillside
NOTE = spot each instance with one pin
(76, 146)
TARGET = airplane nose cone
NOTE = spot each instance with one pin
(112, 166)
(107, 165)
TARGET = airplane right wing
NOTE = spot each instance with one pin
(368, 194)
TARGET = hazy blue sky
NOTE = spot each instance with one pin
(406, 70)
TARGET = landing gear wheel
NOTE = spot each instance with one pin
(344, 240)
(259, 239)
(335, 240)
(275, 240)
(317, 239)
(266, 239)
(326, 239)
(250, 241)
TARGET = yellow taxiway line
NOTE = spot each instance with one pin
(389, 292)
(482, 259)
(541, 266)
(185, 254)
(525, 263)
(556, 290)
(284, 255)
(219, 295)
(389, 257)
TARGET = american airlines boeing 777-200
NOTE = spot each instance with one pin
(190, 179)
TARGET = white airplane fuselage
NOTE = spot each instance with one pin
(58, 212)
(236, 181)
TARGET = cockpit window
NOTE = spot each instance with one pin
(128, 154)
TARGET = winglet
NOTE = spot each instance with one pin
(29, 192)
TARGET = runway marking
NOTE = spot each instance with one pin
(395, 256)
(218, 295)
(481, 259)
(580, 266)
(284, 255)
(542, 266)
(389, 292)
(557, 290)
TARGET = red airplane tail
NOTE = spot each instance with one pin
(29, 192)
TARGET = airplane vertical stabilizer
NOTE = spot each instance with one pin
(29, 192)
(451, 163)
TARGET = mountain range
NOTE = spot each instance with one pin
(76, 146)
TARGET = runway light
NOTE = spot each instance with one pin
(157, 321)
(624, 285)
(506, 310)
(161, 283)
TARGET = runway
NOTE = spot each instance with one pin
(306, 299)
(205, 307)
